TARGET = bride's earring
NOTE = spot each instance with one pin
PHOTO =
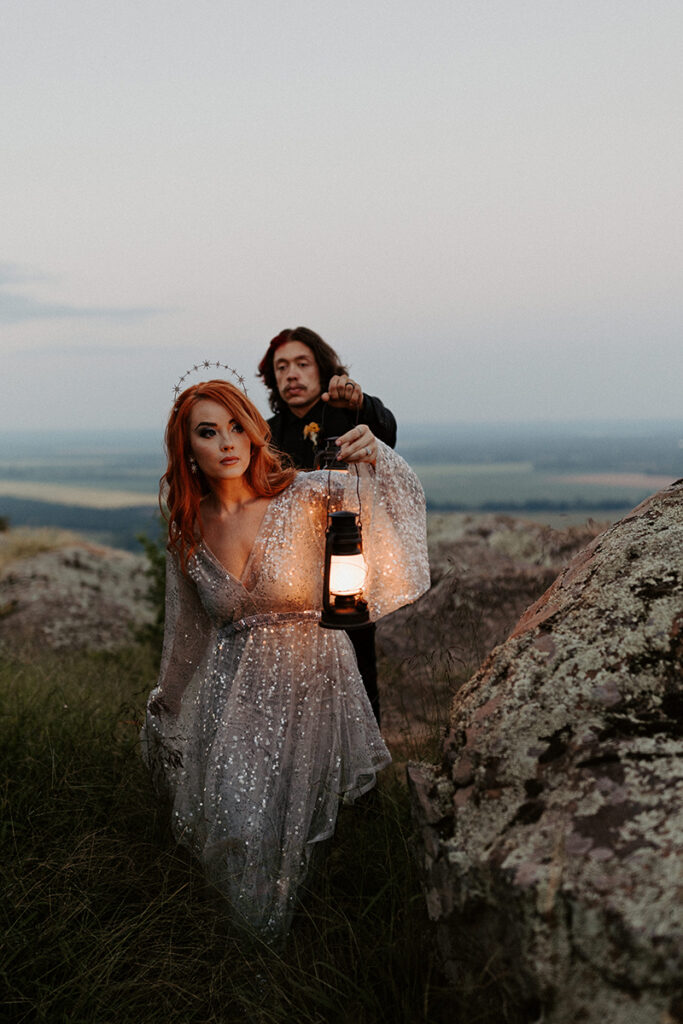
(193, 464)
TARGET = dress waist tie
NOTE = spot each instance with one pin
(266, 619)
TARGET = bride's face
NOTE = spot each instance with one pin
(218, 442)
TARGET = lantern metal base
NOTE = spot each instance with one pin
(350, 617)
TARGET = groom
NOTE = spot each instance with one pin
(296, 368)
(313, 397)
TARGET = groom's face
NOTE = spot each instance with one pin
(297, 376)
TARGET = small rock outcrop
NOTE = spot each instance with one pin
(78, 596)
(552, 832)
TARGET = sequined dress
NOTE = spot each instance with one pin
(260, 723)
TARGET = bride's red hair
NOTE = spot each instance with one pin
(181, 490)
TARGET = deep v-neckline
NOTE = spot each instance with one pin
(244, 577)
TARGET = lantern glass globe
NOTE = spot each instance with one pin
(347, 574)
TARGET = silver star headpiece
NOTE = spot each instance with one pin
(208, 365)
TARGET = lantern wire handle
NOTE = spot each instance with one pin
(329, 470)
(360, 504)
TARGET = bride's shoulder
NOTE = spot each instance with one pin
(307, 490)
(312, 482)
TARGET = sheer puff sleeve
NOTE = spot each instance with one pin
(394, 523)
(188, 632)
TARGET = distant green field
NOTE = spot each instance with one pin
(517, 485)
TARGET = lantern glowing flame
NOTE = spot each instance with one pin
(347, 574)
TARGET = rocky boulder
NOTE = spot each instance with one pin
(552, 832)
(80, 595)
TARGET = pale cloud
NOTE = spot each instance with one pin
(16, 273)
(17, 308)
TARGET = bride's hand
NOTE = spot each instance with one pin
(358, 445)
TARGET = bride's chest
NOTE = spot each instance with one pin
(283, 572)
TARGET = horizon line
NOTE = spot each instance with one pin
(581, 422)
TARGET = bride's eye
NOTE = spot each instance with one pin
(237, 428)
(207, 432)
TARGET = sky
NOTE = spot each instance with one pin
(476, 202)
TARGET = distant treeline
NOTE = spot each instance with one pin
(520, 507)
(122, 528)
(115, 527)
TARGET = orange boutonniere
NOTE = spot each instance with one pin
(311, 431)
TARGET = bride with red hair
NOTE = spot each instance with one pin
(259, 722)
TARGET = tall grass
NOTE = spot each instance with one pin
(106, 920)
(25, 542)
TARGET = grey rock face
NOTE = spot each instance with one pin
(552, 833)
(81, 596)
